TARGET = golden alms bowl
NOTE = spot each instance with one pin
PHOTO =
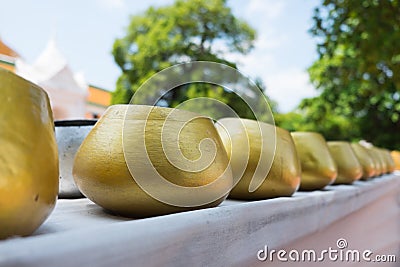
(366, 161)
(396, 159)
(382, 159)
(391, 166)
(349, 168)
(141, 161)
(250, 145)
(388, 161)
(377, 161)
(28, 156)
(317, 165)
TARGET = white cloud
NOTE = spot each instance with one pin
(286, 83)
(259, 60)
(270, 40)
(112, 3)
(269, 9)
(289, 87)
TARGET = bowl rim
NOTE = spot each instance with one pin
(74, 123)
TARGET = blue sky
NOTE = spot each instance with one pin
(86, 30)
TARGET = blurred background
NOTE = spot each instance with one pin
(328, 66)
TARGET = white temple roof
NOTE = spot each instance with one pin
(66, 89)
(50, 61)
(51, 67)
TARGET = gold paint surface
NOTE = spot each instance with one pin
(386, 159)
(377, 161)
(349, 168)
(318, 167)
(283, 178)
(100, 168)
(381, 157)
(366, 161)
(28, 156)
(391, 166)
(396, 159)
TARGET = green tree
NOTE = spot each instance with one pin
(358, 71)
(188, 30)
(308, 118)
(291, 121)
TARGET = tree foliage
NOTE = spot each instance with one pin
(358, 70)
(188, 30)
(331, 126)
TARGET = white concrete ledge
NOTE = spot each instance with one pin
(79, 233)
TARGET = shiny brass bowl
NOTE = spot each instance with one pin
(251, 145)
(349, 168)
(366, 161)
(141, 161)
(317, 165)
(28, 156)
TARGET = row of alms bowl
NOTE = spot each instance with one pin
(241, 158)
(322, 163)
(112, 154)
